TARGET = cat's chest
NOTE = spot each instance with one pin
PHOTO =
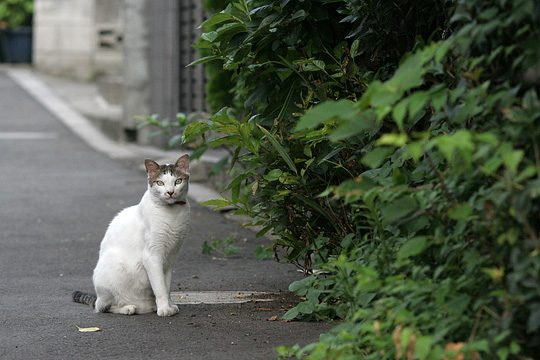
(168, 223)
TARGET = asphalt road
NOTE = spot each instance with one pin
(57, 195)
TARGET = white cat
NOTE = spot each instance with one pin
(133, 273)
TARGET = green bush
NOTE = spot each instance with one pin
(394, 147)
(15, 13)
(218, 82)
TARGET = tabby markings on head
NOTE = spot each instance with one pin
(167, 169)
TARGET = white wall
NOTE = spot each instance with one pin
(65, 37)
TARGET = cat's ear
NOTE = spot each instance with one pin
(152, 167)
(183, 163)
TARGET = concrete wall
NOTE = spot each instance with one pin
(163, 60)
(109, 21)
(136, 94)
(81, 39)
(65, 37)
(134, 50)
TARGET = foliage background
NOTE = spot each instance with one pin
(15, 13)
(393, 146)
(218, 82)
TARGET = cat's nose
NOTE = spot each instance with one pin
(170, 193)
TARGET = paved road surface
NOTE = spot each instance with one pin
(57, 196)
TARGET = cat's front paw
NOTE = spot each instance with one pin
(168, 310)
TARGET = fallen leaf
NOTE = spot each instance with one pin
(88, 329)
(377, 327)
(273, 318)
(396, 337)
(454, 348)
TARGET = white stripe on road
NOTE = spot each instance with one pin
(220, 297)
(72, 119)
(19, 135)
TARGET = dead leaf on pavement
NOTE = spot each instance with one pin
(88, 329)
(273, 318)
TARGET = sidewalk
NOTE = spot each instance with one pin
(57, 196)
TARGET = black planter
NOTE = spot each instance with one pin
(16, 45)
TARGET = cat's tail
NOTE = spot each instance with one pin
(84, 298)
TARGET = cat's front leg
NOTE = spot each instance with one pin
(168, 277)
(153, 263)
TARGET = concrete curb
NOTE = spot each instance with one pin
(83, 128)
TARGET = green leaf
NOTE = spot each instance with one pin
(216, 203)
(235, 185)
(206, 248)
(300, 286)
(412, 247)
(512, 159)
(399, 208)
(194, 130)
(460, 212)
(398, 113)
(416, 102)
(503, 353)
(409, 74)
(300, 14)
(480, 345)
(204, 60)
(198, 152)
(231, 250)
(376, 157)
(397, 140)
(326, 111)
(217, 19)
(209, 36)
(415, 150)
(363, 124)
(291, 314)
(384, 96)
(460, 142)
(280, 149)
(263, 252)
(273, 175)
(438, 100)
(422, 347)
(175, 140)
(305, 307)
(319, 64)
(228, 30)
(354, 48)
(492, 164)
(313, 295)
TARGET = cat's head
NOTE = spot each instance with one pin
(168, 182)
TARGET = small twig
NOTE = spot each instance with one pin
(491, 312)
(475, 325)
(448, 194)
(536, 154)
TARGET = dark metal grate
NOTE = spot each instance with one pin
(191, 97)
(173, 29)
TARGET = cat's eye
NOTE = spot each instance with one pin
(159, 183)
(178, 181)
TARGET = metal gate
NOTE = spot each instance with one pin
(173, 27)
(192, 78)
